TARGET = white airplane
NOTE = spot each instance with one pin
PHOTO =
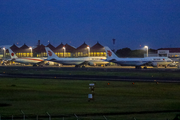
(26, 60)
(137, 62)
(78, 62)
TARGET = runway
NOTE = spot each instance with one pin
(90, 77)
(87, 77)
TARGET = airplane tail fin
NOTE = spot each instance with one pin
(12, 54)
(110, 54)
(50, 53)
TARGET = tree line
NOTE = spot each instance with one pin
(127, 52)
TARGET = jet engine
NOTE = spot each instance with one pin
(154, 64)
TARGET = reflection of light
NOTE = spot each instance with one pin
(4, 48)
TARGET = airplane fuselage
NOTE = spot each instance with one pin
(143, 61)
(30, 60)
(78, 61)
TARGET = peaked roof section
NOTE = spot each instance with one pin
(39, 49)
(69, 48)
(50, 46)
(97, 48)
(14, 48)
(171, 50)
(24, 49)
(59, 48)
(82, 47)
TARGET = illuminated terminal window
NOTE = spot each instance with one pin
(24, 54)
(45, 54)
(105, 54)
(28, 55)
(173, 55)
(61, 54)
(68, 54)
(98, 54)
(91, 53)
(80, 54)
(101, 53)
(95, 54)
(57, 54)
(17, 54)
(38, 55)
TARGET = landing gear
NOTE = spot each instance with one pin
(34, 65)
(77, 66)
(138, 67)
(3, 63)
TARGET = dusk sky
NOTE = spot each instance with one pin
(132, 23)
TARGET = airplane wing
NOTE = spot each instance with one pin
(112, 60)
(148, 63)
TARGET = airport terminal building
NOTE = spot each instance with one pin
(62, 50)
(172, 53)
(84, 50)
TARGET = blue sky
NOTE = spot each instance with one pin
(133, 23)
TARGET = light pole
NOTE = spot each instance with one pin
(4, 52)
(88, 50)
(64, 48)
(147, 49)
(31, 50)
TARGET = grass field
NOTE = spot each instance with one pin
(68, 97)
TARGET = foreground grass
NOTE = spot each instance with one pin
(68, 97)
